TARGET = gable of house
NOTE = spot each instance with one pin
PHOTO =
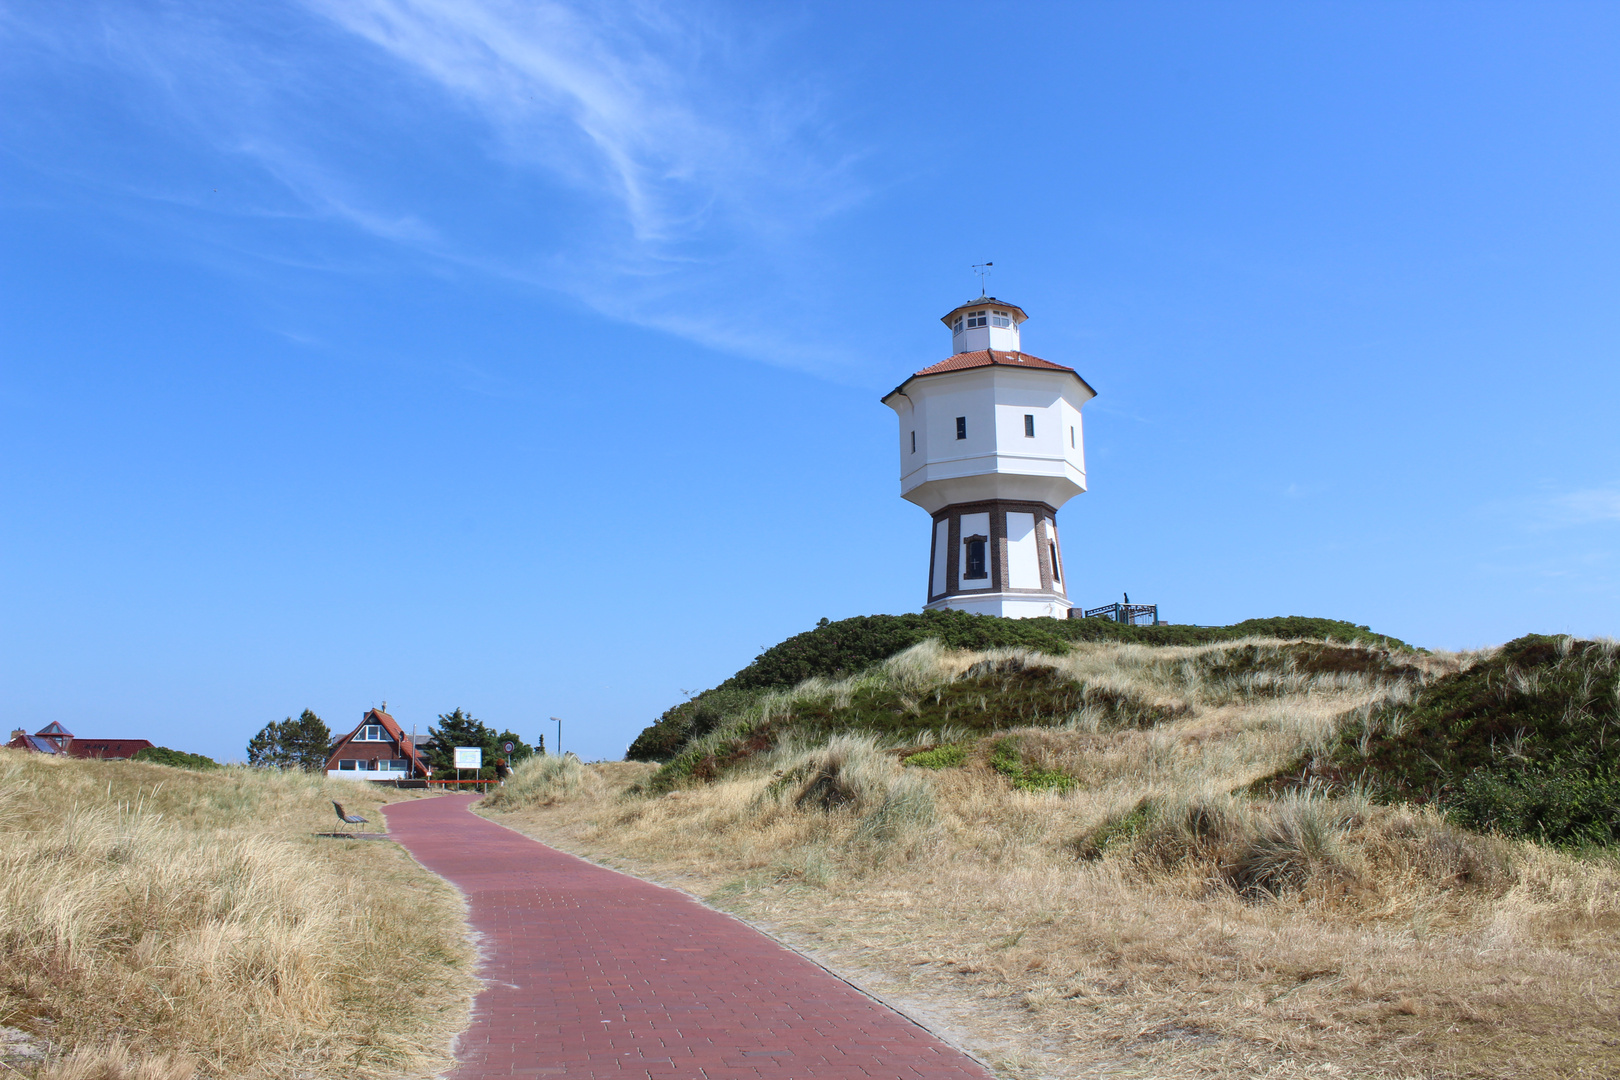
(377, 746)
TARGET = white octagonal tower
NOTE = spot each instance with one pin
(991, 446)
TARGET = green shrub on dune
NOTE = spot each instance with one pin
(838, 649)
(1526, 741)
(162, 755)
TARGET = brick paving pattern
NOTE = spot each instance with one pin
(592, 973)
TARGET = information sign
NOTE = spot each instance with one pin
(469, 757)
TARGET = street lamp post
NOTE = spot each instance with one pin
(559, 734)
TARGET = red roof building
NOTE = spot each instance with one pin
(53, 738)
(377, 749)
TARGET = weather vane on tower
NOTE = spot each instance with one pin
(983, 270)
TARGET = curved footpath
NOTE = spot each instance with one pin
(592, 973)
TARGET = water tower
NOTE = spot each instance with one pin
(991, 446)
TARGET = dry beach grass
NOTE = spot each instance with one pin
(159, 923)
(1137, 918)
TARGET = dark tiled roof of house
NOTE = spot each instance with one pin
(106, 748)
(984, 302)
(32, 742)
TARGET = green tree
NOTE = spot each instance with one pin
(462, 729)
(304, 743)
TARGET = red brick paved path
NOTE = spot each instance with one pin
(592, 973)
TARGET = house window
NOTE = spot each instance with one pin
(370, 766)
(975, 557)
(956, 327)
(1056, 576)
(397, 765)
(913, 442)
(976, 318)
(1071, 436)
(1000, 318)
(371, 733)
(1029, 425)
(961, 427)
(346, 763)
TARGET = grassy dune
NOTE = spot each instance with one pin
(1085, 888)
(159, 923)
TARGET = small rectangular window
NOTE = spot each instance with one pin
(913, 442)
(1071, 436)
(1056, 575)
(961, 427)
(346, 763)
(1029, 425)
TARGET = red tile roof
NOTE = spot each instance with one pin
(991, 358)
(419, 765)
(106, 748)
(963, 361)
(80, 748)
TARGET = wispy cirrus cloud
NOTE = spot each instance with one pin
(556, 80)
(1586, 506)
(643, 159)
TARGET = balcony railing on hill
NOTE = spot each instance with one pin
(1130, 614)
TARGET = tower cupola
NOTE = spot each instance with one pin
(986, 323)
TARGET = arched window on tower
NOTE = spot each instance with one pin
(976, 566)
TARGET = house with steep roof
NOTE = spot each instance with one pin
(377, 749)
(53, 738)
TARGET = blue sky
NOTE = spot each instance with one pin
(525, 357)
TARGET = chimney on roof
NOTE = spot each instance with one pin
(19, 733)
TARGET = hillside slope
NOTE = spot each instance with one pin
(1059, 853)
(839, 649)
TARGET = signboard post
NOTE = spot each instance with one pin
(468, 757)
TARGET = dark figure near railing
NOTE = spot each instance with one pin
(346, 817)
(1128, 613)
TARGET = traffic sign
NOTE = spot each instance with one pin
(508, 747)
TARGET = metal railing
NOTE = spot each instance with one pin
(457, 783)
(1130, 614)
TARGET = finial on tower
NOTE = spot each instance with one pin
(983, 270)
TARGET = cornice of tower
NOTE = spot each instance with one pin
(990, 358)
